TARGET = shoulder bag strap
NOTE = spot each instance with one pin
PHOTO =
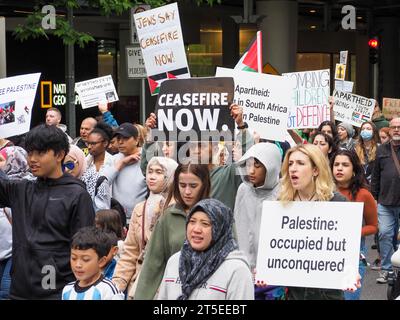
(143, 220)
(395, 159)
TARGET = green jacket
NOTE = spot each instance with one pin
(381, 122)
(167, 238)
(225, 180)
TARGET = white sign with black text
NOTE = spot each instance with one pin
(266, 101)
(135, 63)
(17, 95)
(352, 108)
(310, 244)
(93, 91)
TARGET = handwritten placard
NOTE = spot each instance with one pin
(310, 98)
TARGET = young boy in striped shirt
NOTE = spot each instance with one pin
(89, 249)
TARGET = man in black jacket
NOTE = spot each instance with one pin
(385, 187)
(46, 213)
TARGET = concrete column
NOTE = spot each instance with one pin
(3, 64)
(388, 62)
(279, 29)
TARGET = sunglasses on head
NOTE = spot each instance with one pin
(69, 165)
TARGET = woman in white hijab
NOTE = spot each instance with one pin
(159, 176)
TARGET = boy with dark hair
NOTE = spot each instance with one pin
(46, 214)
(89, 250)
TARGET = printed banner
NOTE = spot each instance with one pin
(391, 108)
(195, 110)
(93, 91)
(340, 71)
(309, 244)
(351, 108)
(17, 95)
(310, 97)
(266, 101)
(160, 38)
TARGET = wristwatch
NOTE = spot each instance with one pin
(244, 126)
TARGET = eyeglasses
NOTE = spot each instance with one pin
(90, 143)
(395, 127)
(69, 165)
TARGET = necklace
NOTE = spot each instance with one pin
(312, 196)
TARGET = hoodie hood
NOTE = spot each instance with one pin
(348, 127)
(65, 179)
(268, 154)
(63, 127)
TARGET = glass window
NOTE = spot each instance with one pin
(313, 61)
(204, 56)
(107, 58)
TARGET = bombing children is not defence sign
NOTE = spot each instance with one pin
(310, 98)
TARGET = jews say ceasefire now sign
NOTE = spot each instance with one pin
(194, 110)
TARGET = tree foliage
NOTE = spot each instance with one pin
(32, 28)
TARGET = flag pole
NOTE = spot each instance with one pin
(259, 51)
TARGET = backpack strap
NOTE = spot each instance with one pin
(98, 184)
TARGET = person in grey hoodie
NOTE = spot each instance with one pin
(259, 168)
(346, 133)
(209, 265)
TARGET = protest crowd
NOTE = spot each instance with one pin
(242, 186)
(149, 221)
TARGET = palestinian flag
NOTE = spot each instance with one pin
(156, 80)
(252, 57)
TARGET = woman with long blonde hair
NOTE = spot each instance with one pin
(306, 176)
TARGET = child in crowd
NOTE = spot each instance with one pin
(259, 168)
(89, 250)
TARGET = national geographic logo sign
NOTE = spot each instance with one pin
(54, 95)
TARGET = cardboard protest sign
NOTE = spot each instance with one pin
(340, 71)
(310, 97)
(195, 110)
(17, 95)
(391, 108)
(351, 108)
(309, 244)
(93, 91)
(266, 101)
(345, 86)
(160, 38)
